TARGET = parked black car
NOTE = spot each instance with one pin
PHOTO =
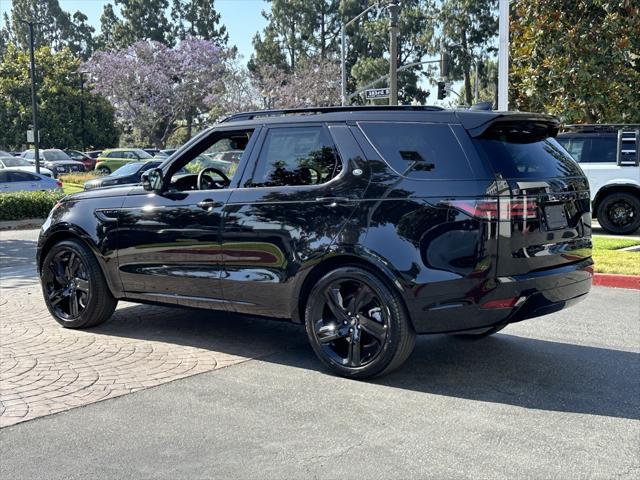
(128, 174)
(367, 225)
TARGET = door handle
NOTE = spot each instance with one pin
(334, 201)
(208, 204)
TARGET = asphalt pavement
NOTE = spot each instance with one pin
(554, 397)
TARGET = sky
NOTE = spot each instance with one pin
(241, 17)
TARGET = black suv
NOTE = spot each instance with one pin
(367, 225)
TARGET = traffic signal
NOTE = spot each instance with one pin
(442, 90)
(445, 64)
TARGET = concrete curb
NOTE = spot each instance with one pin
(26, 224)
(617, 281)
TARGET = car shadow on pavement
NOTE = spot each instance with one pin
(507, 369)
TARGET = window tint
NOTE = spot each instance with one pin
(575, 147)
(223, 151)
(603, 149)
(22, 177)
(296, 156)
(520, 159)
(419, 150)
(55, 155)
(15, 162)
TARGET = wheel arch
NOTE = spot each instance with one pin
(72, 234)
(610, 188)
(336, 261)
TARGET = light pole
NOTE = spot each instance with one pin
(503, 57)
(343, 52)
(393, 53)
(34, 98)
(82, 127)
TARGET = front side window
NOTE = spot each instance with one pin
(296, 156)
(215, 160)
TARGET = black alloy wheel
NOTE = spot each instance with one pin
(619, 213)
(67, 284)
(356, 325)
(74, 289)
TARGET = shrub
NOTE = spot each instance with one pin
(22, 205)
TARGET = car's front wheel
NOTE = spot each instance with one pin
(619, 213)
(73, 286)
(104, 171)
(357, 326)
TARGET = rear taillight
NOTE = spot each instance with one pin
(59, 183)
(483, 209)
(519, 208)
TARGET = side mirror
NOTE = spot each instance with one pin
(152, 180)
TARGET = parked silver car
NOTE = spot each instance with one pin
(16, 181)
(17, 163)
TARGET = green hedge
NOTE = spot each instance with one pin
(21, 205)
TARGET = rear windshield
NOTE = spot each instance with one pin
(523, 156)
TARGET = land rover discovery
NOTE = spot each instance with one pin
(367, 225)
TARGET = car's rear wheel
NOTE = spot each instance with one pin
(357, 326)
(619, 213)
(73, 286)
(104, 170)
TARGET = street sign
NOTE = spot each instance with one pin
(373, 93)
(31, 137)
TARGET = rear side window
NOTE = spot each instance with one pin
(521, 153)
(603, 149)
(419, 150)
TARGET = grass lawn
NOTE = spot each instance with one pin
(609, 259)
(70, 188)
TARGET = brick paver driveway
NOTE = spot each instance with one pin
(45, 368)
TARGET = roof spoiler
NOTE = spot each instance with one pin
(478, 124)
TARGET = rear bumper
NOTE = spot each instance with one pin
(535, 294)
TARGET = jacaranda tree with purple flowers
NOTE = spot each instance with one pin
(156, 89)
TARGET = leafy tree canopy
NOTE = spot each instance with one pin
(153, 87)
(577, 59)
(59, 97)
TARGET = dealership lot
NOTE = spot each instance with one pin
(555, 397)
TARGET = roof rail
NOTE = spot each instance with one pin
(318, 110)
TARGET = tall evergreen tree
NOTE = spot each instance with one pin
(199, 19)
(469, 27)
(54, 27)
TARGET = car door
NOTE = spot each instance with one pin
(298, 190)
(169, 244)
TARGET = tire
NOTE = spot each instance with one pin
(356, 325)
(104, 170)
(619, 213)
(479, 333)
(70, 270)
